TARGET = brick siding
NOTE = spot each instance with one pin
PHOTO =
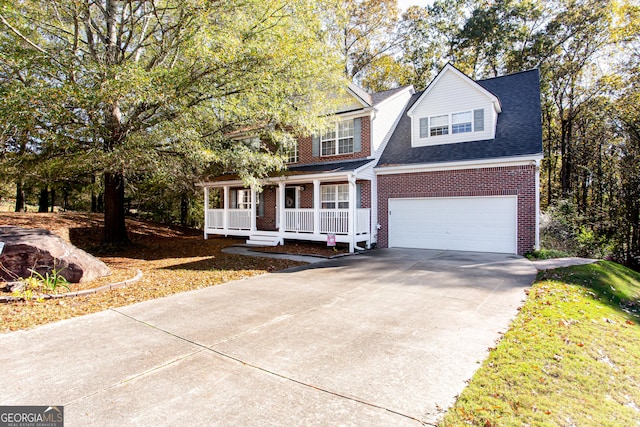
(499, 181)
(305, 153)
(268, 221)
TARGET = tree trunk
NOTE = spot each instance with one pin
(565, 151)
(19, 197)
(115, 231)
(53, 198)
(43, 201)
(65, 199)
(94, 198)
(184, 209)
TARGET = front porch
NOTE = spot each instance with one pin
(293, 209)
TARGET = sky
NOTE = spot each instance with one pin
(404, 4)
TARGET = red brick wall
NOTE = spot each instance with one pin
(306, 197)
(305, 153)
(268, 221)
(499, 181)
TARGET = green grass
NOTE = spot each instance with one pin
(570, 358)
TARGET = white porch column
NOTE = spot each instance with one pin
(352, 213)
(253, 209)
(316, 206)
(206, 211)
(225, 206)
(281, 202)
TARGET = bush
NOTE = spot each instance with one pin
(564, 230)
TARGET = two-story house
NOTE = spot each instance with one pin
(455, 166)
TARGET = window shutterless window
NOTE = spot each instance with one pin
(244, 199)
(291, 153)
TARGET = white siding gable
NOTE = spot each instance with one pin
(452, 93)
(387, 115)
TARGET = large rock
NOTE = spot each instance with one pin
(41, 250)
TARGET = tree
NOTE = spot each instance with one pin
(430, 37)
(130, 84)
(362, 31)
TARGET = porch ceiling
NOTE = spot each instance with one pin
(325, 172)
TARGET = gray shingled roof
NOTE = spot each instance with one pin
(378, 97)
(518, 132)
(345, 166)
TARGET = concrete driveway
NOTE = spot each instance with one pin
(383, 338)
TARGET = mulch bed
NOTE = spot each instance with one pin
(171, 259)
(306, 248)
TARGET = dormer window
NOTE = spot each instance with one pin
(461, 122)
(452, 124)
(439, 125)
(453, 109)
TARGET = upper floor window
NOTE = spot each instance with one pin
(439, 125)
(338, 140)
(253, 142)
(291, 153)
(461, 122)
(445, 124)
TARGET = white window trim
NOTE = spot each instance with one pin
(336, 140)
(291, 154)
(336, 193)
(450, 124)
(243, 199)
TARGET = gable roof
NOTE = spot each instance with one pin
(360, 94)
(473, 85)
(518, 131)
(379, 97)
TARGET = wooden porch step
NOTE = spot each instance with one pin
(257, 239)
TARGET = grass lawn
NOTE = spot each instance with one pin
(570, 358)
(171, 259)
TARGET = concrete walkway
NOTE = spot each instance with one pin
(383, 338)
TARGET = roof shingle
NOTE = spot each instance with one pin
(518, 132)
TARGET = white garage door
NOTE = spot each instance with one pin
(483, 224)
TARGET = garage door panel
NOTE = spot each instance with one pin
(486, 224)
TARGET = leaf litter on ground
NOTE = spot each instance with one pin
(171, 259)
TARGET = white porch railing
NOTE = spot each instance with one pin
(363, 221)
(215, 218)
(240, 219)
(298, 220)
(334, 221)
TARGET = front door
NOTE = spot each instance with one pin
(291, 200)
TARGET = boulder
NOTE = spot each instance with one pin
(41, 250)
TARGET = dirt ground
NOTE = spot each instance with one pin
(171, 259)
